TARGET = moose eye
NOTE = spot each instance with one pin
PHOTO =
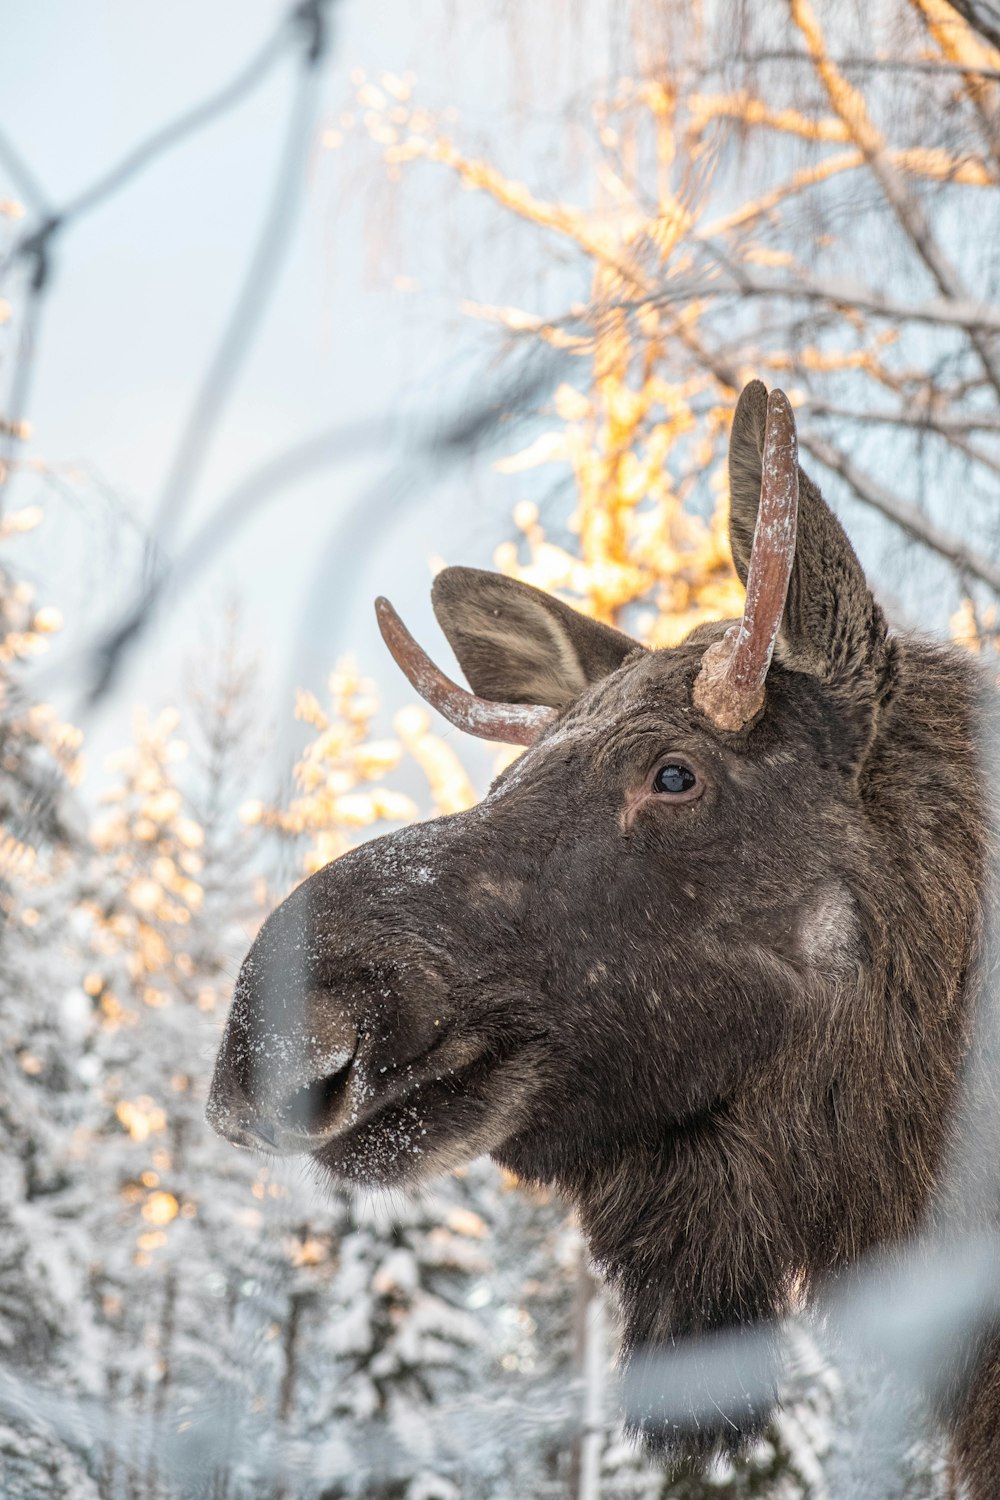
(676, 779)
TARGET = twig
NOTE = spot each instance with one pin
(171, 135)
(924, 422)
(850, 106)
(828, 292)
(450, 441)
(922, 418)
(25, 181)
(245, 317)
(35, 246)
(982, 16)
(960, 44)
(948, 312)
(864, 64)
(902, 514)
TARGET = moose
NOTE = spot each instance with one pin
(706, 957)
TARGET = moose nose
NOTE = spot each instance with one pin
(291, 1122)
(317, 1107)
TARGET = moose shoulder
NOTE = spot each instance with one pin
(704, 957)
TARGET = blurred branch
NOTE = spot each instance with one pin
(25, 181)
(450, 440)
(925, 422)
(983, 16)
(935, 163)
(940, 311)
(309, 19)
(850, 106)
(963, 48)
(118, 176)
(247, 313)
(917, 417)
(865, 64)
(13, 428)
(970, 563)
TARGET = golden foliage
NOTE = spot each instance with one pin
(25, 629)
(340, 772)
(976, 630)
(150, 848)
(140, 1117)
(637, 542)
(638, 437)
(626, 431)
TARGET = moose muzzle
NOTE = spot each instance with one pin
(344, 1004)
(283, 1081)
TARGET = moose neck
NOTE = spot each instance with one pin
(695, 1235)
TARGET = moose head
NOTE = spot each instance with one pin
(700, 955)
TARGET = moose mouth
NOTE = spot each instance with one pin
(351, 1095)
(445, 1117)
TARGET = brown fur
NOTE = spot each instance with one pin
(730, 1028)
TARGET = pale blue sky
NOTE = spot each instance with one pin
(143, 284)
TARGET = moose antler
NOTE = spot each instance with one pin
(514, 723)
(729, 689)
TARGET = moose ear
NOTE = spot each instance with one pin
(516, 644)
(832, 628)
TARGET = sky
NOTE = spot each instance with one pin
(363, 329)
(363, 324)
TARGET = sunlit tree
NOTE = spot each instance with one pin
(738, 206)
(44, 1027)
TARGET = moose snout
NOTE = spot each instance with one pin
(284, 1091)
(341, 1006)
(301, 1063)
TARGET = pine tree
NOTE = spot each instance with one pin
(190, 1283)
(45, 1326)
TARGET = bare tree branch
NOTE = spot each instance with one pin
(849, 104)
(911, 520)
(983, 16)
(178, 130)
(862, 64)
(961, 46)
(25, 181)
(920, 417)
(974, 317)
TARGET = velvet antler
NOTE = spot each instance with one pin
(514, 723)
(729, 689)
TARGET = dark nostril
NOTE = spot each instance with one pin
(311, 1108)
(263, 1131)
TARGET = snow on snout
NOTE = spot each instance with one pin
(332, 1061)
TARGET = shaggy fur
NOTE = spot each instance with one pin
(729, 1027)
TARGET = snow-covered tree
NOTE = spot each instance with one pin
(46, 1332)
